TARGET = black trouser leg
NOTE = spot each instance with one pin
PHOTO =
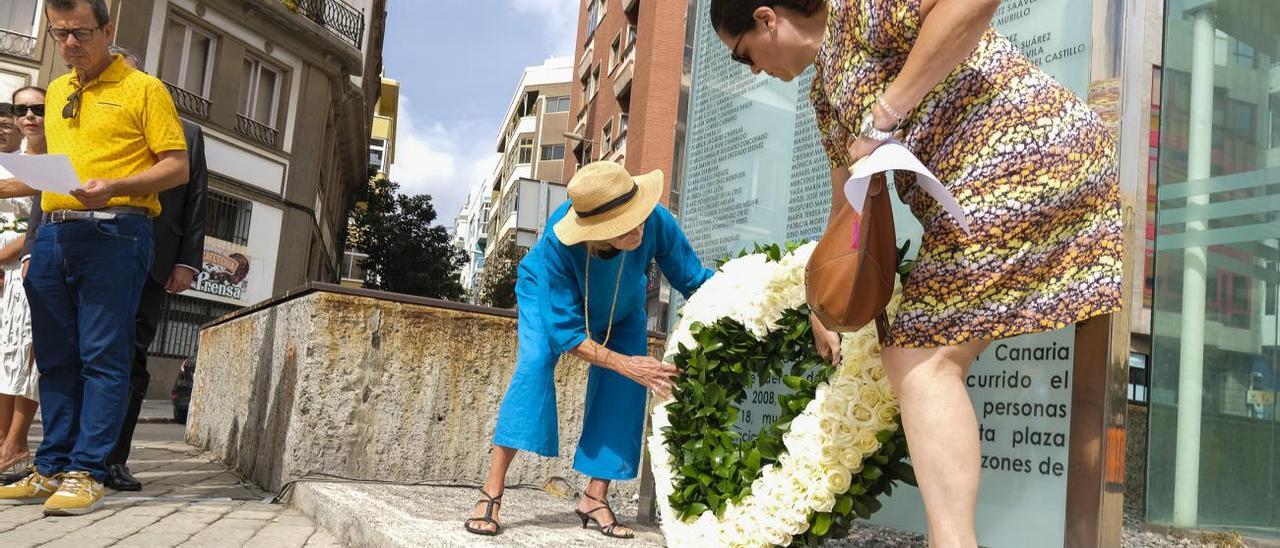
(147, 320)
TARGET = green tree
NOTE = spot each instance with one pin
(407, 253)
(497, 284)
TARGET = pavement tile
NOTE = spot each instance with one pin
(187, 500)
(252, 514)
(153, 540)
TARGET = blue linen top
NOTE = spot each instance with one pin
(558, 270)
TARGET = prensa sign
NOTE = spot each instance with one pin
(225, 273)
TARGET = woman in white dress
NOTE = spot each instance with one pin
(18, 376)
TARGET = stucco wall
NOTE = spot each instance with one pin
(362, 387)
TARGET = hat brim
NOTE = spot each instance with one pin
(572, 229)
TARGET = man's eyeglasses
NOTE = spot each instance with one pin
(20, 111)
(81, 34)
(72, 108)
(733, 53)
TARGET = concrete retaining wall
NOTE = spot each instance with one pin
(350, 384)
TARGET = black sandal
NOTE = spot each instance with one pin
(606, 530)
(489, 503)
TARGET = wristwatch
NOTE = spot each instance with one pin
(869, 130)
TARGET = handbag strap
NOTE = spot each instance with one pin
(882, 328)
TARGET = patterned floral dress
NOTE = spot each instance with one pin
(1033, 167)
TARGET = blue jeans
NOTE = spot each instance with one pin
(84, 283)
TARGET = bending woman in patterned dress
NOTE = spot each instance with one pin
(1031, 165)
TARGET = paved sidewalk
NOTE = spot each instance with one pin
(188, 500)
(155, 411)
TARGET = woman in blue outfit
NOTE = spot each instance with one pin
(581, 291)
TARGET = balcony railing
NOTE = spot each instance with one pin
(18, 44)
(188, 102)
(342, 20)
(260, 133)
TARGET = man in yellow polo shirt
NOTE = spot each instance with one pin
(92, 253)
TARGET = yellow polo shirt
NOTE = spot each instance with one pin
(126, 119)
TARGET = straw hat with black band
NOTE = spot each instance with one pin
(607, 202)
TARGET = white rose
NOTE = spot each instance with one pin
(840, 479)
(794, 524)
(887, 414)
(850, 457)
(776, 536)
(861, 413)
(886, 393)
(830, 455)
(866, 443)
(877, 373)
(826, 500)
(870, 395)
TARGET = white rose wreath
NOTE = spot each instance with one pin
(834, 449)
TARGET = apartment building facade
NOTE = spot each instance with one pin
(531, 148)
(285, 92)
(382, 154)
(506, 212)
(20, 43)
(625, 103)
(471, 234)
(627, 71)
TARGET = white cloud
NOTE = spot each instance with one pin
(445, 161)
(559, 20)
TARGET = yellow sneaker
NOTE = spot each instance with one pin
(79, 494)
(33, 489)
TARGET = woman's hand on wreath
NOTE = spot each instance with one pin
(650, 373)
(827, 341)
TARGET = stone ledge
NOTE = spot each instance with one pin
(368, 385)
(382, 516)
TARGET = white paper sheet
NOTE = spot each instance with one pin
(43, 172)
(893, 156)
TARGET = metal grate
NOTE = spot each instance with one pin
(188, 102)
(261, 133)
(16, 43)
(339, 18)
(229, 218)
(178, 332)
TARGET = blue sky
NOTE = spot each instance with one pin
(458, 62)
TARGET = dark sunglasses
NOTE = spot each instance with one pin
(733, 53)
(72, 108)
(81, 34)
(20, 111)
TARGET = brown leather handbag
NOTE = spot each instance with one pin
(850, 276)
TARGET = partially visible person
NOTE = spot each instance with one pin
(120, 129)
(18, 376)
(611, 221)
(179, 255)
(10, 142)
(1031, 165)
(10, 135)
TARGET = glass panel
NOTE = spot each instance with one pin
(198, 64)
(266, 101)
(175, 36)
(18, 16)
(1213, 428)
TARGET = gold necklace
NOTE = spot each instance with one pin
(586, 298)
